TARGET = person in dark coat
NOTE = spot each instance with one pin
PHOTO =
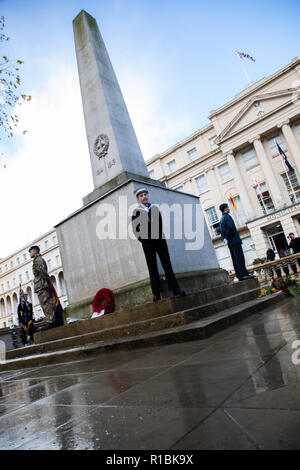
(25, 316)
(271, 257)
(230, 237)
(147, 227)
(294, 244)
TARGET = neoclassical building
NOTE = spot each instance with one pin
(16, 269)
(237, 150)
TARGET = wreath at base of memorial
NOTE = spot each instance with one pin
(104, 300)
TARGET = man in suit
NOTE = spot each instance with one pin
(294, 244)
(147, 227)
(230, 237)
(25, 316)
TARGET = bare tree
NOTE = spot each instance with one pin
(10, 95)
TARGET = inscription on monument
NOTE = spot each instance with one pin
(101, 146)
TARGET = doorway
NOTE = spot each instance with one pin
(278, 241)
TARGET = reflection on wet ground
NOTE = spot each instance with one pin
(238, 389)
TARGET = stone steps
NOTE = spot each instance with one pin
(148, 311)
(185, 328)
(140, 326)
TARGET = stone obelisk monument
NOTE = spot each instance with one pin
(116, 261)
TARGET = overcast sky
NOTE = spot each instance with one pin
(175, 61)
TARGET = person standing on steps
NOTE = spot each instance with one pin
(230, 237)
(147, 227)
(41, 283)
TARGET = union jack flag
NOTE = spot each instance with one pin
(242, 55)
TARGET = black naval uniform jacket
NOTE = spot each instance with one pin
(148, 229)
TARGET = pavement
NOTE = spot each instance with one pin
(238, 389)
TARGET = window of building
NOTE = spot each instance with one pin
(14, 282)
(201, 183)
(27, 275)
(180, 188)
(192, 154)
(151, 174)
(249, 158)
(249, 250)
(172, 166)
(11, 264)
(297, 127)
(20, 278)
(49, 264)
(57, 260)
(0, 269)
(54, 239)
(8, 285)
(18, 260)
(24, 257)
(273, 144)
(212, 143)
(264, 199)
(292, 185)
(239, 213)
(224, 258)
(2, 287)
(6, 267)
(46, 244)
(213, 221)
(225, 172)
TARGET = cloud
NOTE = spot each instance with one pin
(47, 177)
(156, 128)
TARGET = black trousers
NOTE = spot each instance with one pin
(160, 247)
(238, 260)
(29, 333)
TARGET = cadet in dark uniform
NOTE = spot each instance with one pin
(147, 227)
(25, 316)
(231, 237)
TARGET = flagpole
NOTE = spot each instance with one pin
(288, 178)
(260, 194)
(243, 68)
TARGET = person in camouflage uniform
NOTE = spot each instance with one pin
(41, 285)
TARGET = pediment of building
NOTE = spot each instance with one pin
(257, 108)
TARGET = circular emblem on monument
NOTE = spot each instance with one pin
(101, 146)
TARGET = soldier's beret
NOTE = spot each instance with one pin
(34, 247)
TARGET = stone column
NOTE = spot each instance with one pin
(246, 203)
(212, 182)
(272, 183)
(292, 144)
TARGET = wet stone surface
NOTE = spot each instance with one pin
(238, 389)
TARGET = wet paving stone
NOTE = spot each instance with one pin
(238, 389)
(122, 428)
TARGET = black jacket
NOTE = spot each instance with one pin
(147, 224)
(295, 245)
(228, 230)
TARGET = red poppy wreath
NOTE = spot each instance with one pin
(107, 296)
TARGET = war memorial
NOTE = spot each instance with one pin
(99, 249)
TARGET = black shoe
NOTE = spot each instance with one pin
(247, 277)
(156, 298)
(179, 292)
